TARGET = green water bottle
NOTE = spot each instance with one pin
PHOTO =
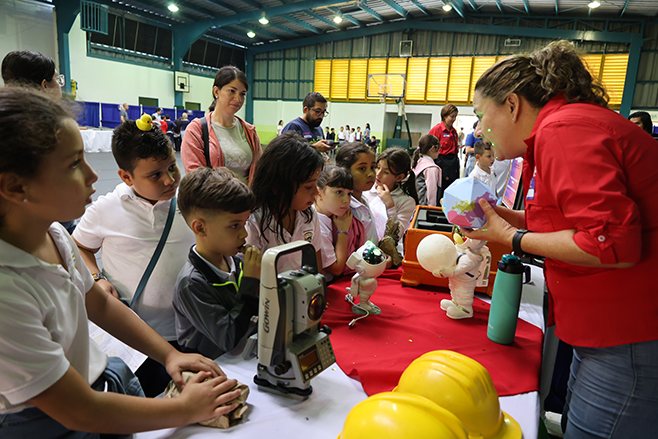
(505, 300)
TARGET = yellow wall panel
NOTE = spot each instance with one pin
(480, 65)
(358, 79)
(416, 79)
(339, 78)
(614, 76)
(376, 66)
(460, 79)
(437, 80)
(322, 83)
(593, 64)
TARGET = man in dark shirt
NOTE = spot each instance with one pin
(309, 125)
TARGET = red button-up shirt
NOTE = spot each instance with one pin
(447, 137)
(596, 172)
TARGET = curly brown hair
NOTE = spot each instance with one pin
(541, 75)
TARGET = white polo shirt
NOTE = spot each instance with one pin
(127, 228)
(487, 178)
(305, 231)
(326, 239)
(43, 322)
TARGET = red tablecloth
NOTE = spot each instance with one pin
(378, 349)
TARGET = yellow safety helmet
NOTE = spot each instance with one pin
(391, 415)
(464, 387)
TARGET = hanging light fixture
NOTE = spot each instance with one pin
(594, 5)
(173, 8)
(263, 19)
(251, 34)
(447, 7)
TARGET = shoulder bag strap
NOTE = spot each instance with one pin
(206, 141)
(156, 255)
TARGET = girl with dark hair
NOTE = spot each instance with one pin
(56, 381)
(394, 192)
(428, 175)
(285, 186)
(23, 67)
(342, 234)
(360, 161)
(591, 206)
(232, 142)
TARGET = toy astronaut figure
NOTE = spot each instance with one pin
(463, 277)
(369, 262)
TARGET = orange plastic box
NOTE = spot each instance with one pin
(428, 220)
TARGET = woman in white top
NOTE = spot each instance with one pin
(279, 128)
(233, 143)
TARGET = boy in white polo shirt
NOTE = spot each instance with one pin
(127, 224)
(483, 169)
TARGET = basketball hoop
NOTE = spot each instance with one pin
(382, 98)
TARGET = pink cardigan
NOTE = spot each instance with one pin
(192, 147)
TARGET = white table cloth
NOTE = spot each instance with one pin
(334, 394)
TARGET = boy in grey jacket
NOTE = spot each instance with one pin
(216, 295)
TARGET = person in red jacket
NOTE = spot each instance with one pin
(447, 160)
(590, 184)
(233, 143)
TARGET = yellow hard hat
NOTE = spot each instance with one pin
(464, 387)
(391, 415)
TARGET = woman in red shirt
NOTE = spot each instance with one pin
(447, 160)
(590, 180)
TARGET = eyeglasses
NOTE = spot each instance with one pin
(320, 111)
(61, 80)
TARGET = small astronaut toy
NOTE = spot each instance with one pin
(369, 262)
(460, 262)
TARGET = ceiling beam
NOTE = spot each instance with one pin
(284, 28)
(458, 5)
(397, 8)
(421, 8)
(473, 5)
(624, 9)
(371, 12)
(347, 17)
(301, 23)
(557, 9)
(322, 19)
(527, 6)
(500, 7)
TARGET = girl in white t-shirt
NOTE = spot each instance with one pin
(342, 234)
(285, 185)
(52, 375)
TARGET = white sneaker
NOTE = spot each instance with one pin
(459, 313)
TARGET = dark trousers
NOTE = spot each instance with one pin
(449, 165)
(153, 376)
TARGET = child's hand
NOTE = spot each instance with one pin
(343, 222)
(385, 194)
(177, 362)
(252, 257)
(202, 399)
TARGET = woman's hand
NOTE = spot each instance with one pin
(343, 222)
(496, 229)
(385, 194)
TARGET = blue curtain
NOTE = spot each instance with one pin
(110, 117)
(88, 114)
